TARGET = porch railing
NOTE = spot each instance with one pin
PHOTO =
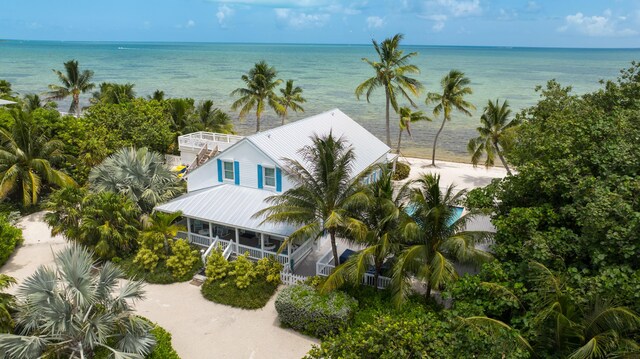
(288, 278)
(299, 253)
(324, 267)
(199, 139)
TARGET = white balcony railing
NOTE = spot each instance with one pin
(198, 140)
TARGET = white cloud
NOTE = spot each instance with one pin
(507, 14)
(301, 20)
(532, 6)
(223, 14)
(458, 8)
(280, 3)
(604, 25)
(438, 21)
(190, 23)
(374, 22)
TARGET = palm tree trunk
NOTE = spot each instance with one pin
(76, 100)
(334, 248)
(257, 122)
(284, 114)
(427, 294)
(504, 162)
(435, 142)
(399, 139)
(387, 128)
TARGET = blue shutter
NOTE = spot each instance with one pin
(259, 176)
(236, 169)
(219, 170)
(278, 180)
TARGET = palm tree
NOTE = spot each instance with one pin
(65, 212)
(259, 92)
(7, 302)
(140, 175)
(435, 239)
(162, 225)
(378, 225)
(73, 310)
(74, 83)
(109, 224)
(180, 110)
(157, 95)
(32, 102)
(495, 122)
(455, 86)
(291, 98)
(568, 328)
(113, 93)
(391, 72)
(5, 89)
(323, 192)
(26, 160)
(210, 118)
(407, 117)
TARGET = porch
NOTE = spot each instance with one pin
(237, 241)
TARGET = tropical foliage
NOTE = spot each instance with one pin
(455, 87)
(391, 69)
(138, 174)
(259, 92)
(290, 99)
(27, 160)
(74, 83)
(7, 302)
(73, 310)
(493, 134)
(113, 93)
(323, 190)
(10, 239)
(407, 117)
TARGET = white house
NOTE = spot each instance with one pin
(225, 192)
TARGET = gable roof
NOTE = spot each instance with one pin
(285, 141)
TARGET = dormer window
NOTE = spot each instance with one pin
(269, 176)
(228, 170)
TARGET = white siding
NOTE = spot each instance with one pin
(244, 153)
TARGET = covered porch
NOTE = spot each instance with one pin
(223, 216)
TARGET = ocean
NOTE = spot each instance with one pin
(327, 73)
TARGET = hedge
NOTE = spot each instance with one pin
(10, 238)
(162, 350)
(402, 171)
(302, 308)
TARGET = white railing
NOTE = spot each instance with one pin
(254, 253)
(299, 253)
(369, 279)
(212, 247)
(288, 278)
(226, 253)
(324, 266)
(199, 139)
(172, 161)
(281, 258)
(204, 241)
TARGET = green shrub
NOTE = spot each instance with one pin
(160, 275)
(147, 259)
(302, 308)
(270, 269)
(10, 238)
(183, 258)
(225, 291)
(244, 271)
(402, 171)
(162, 350)
(217, 266)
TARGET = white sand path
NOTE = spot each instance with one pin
(200, 329)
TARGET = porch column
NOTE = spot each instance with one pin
(188, 225)
(210, 230)
(291, 264)
(237, 240)
(262, 244)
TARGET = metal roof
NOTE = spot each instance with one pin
(285, 141)
(6, 102)
(228, 205)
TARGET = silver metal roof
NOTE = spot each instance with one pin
(6, 102)
(228, 205)
(285, 141)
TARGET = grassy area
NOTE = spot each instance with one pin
(226, 292)
(161, 275)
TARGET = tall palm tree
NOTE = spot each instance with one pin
(259, 92)
(436, 238)
(567, 328)
(323, 191)
(455, 86)
(290, 99)
(7, 301)
(180, 110)
(26, 160)
(162, 225)
(73, 310)
(5, 89)
(407, 117)
(391, 70)
(141, 175)
(378, 225)
(32, 102)
(113, 93)
(210, 118)
(495, 122)
(157, 95)
(74, 83)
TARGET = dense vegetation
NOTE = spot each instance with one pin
(10, 238)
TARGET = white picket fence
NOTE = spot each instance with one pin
(288, 278)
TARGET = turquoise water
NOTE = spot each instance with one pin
(327, 73)
(457, 213)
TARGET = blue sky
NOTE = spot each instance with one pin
(553, 23)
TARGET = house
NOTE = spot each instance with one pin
(226, 191)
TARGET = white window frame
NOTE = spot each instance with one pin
(224, 171)
(264, 177)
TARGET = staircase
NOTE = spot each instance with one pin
(203, 156)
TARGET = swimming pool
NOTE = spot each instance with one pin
(456, 215)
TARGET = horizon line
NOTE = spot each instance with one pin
(321, 44)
